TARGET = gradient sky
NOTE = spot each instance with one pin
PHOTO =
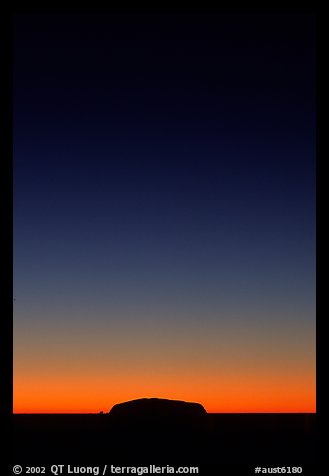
(164, 211)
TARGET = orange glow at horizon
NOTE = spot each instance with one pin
(238, 372)
(242, 394)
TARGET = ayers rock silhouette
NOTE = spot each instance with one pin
(158, 428)
(159, 411)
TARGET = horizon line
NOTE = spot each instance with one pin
(209, 413)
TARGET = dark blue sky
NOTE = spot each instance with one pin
(164, 169)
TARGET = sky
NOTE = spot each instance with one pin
(164, 211)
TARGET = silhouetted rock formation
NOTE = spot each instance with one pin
(158, 411)
(155, 428)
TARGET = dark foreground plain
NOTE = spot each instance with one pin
(272, 439)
